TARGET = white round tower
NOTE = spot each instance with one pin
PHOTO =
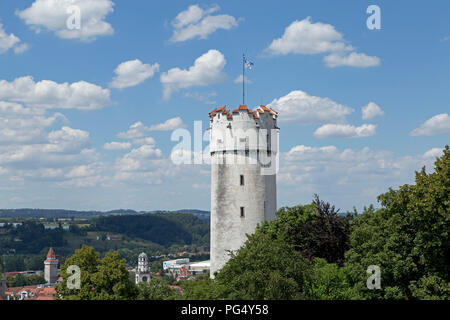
(142, 272)
(244, 163)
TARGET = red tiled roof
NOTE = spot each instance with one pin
(225, 111)
(260, 111)
(264, 108)
(255, 116)
(250, 111)
(236, 111)
(243, 107)
(220, 109)
(230, 116)
(51, 253)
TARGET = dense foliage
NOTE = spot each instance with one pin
(32, 237)
(164, 229)
(101, 279)
(408, 238)
(316, 230)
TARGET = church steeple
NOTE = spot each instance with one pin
(142, 272)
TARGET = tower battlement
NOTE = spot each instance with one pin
(243, 129)
(262, 115)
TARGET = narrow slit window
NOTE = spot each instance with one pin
(242, 180)
(242, 212)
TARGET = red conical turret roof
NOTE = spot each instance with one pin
(51, 254)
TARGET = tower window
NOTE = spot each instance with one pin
(242, 180)
(242, 212)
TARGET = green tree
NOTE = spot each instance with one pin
(264, 268)
(408, 238)
(328, 281)
(156, 289)
(101, 279)
(200, 289)
(316, 230)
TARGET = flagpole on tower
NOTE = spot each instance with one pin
(243, 78)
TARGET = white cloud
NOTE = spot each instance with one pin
(21, 48)
(437, 125)
(306, 37)
(117, 145)
(207, 69)
(137, 131)
(168, 125)
(433, 153)
(205, 98)
(32, 149)
(352, 59)
(10, 41)
(64, 148)
(51, 95)
(196, 22)
(299, 107)
(345, 177)
(21, 125)
(345, 131)
(371, 110)
(67, 140)
(239, 79)
(53, 16)
(132, 73)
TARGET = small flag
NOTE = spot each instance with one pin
(248, 64)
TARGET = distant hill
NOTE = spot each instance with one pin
(162, 228)
(62, 213)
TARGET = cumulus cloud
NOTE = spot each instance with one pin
(332, 130)
(346, 177)
(64, 148)
(371, 110)
(21, 125)
(437, 125)
(51, 95)
(168, 125)
(352, 59)
(299, 107)
(306, 37)
(196, 22)
(139, 131)
(34, 148)
(117, 145)
(132, 73)
(54, 16)
(10, 41)
(207, 69)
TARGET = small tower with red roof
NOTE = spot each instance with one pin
(51, 267)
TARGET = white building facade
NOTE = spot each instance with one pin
(244, 163)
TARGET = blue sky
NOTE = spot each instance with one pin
(316, 62)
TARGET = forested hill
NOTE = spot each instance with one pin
(62, 213)
(164, 229)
